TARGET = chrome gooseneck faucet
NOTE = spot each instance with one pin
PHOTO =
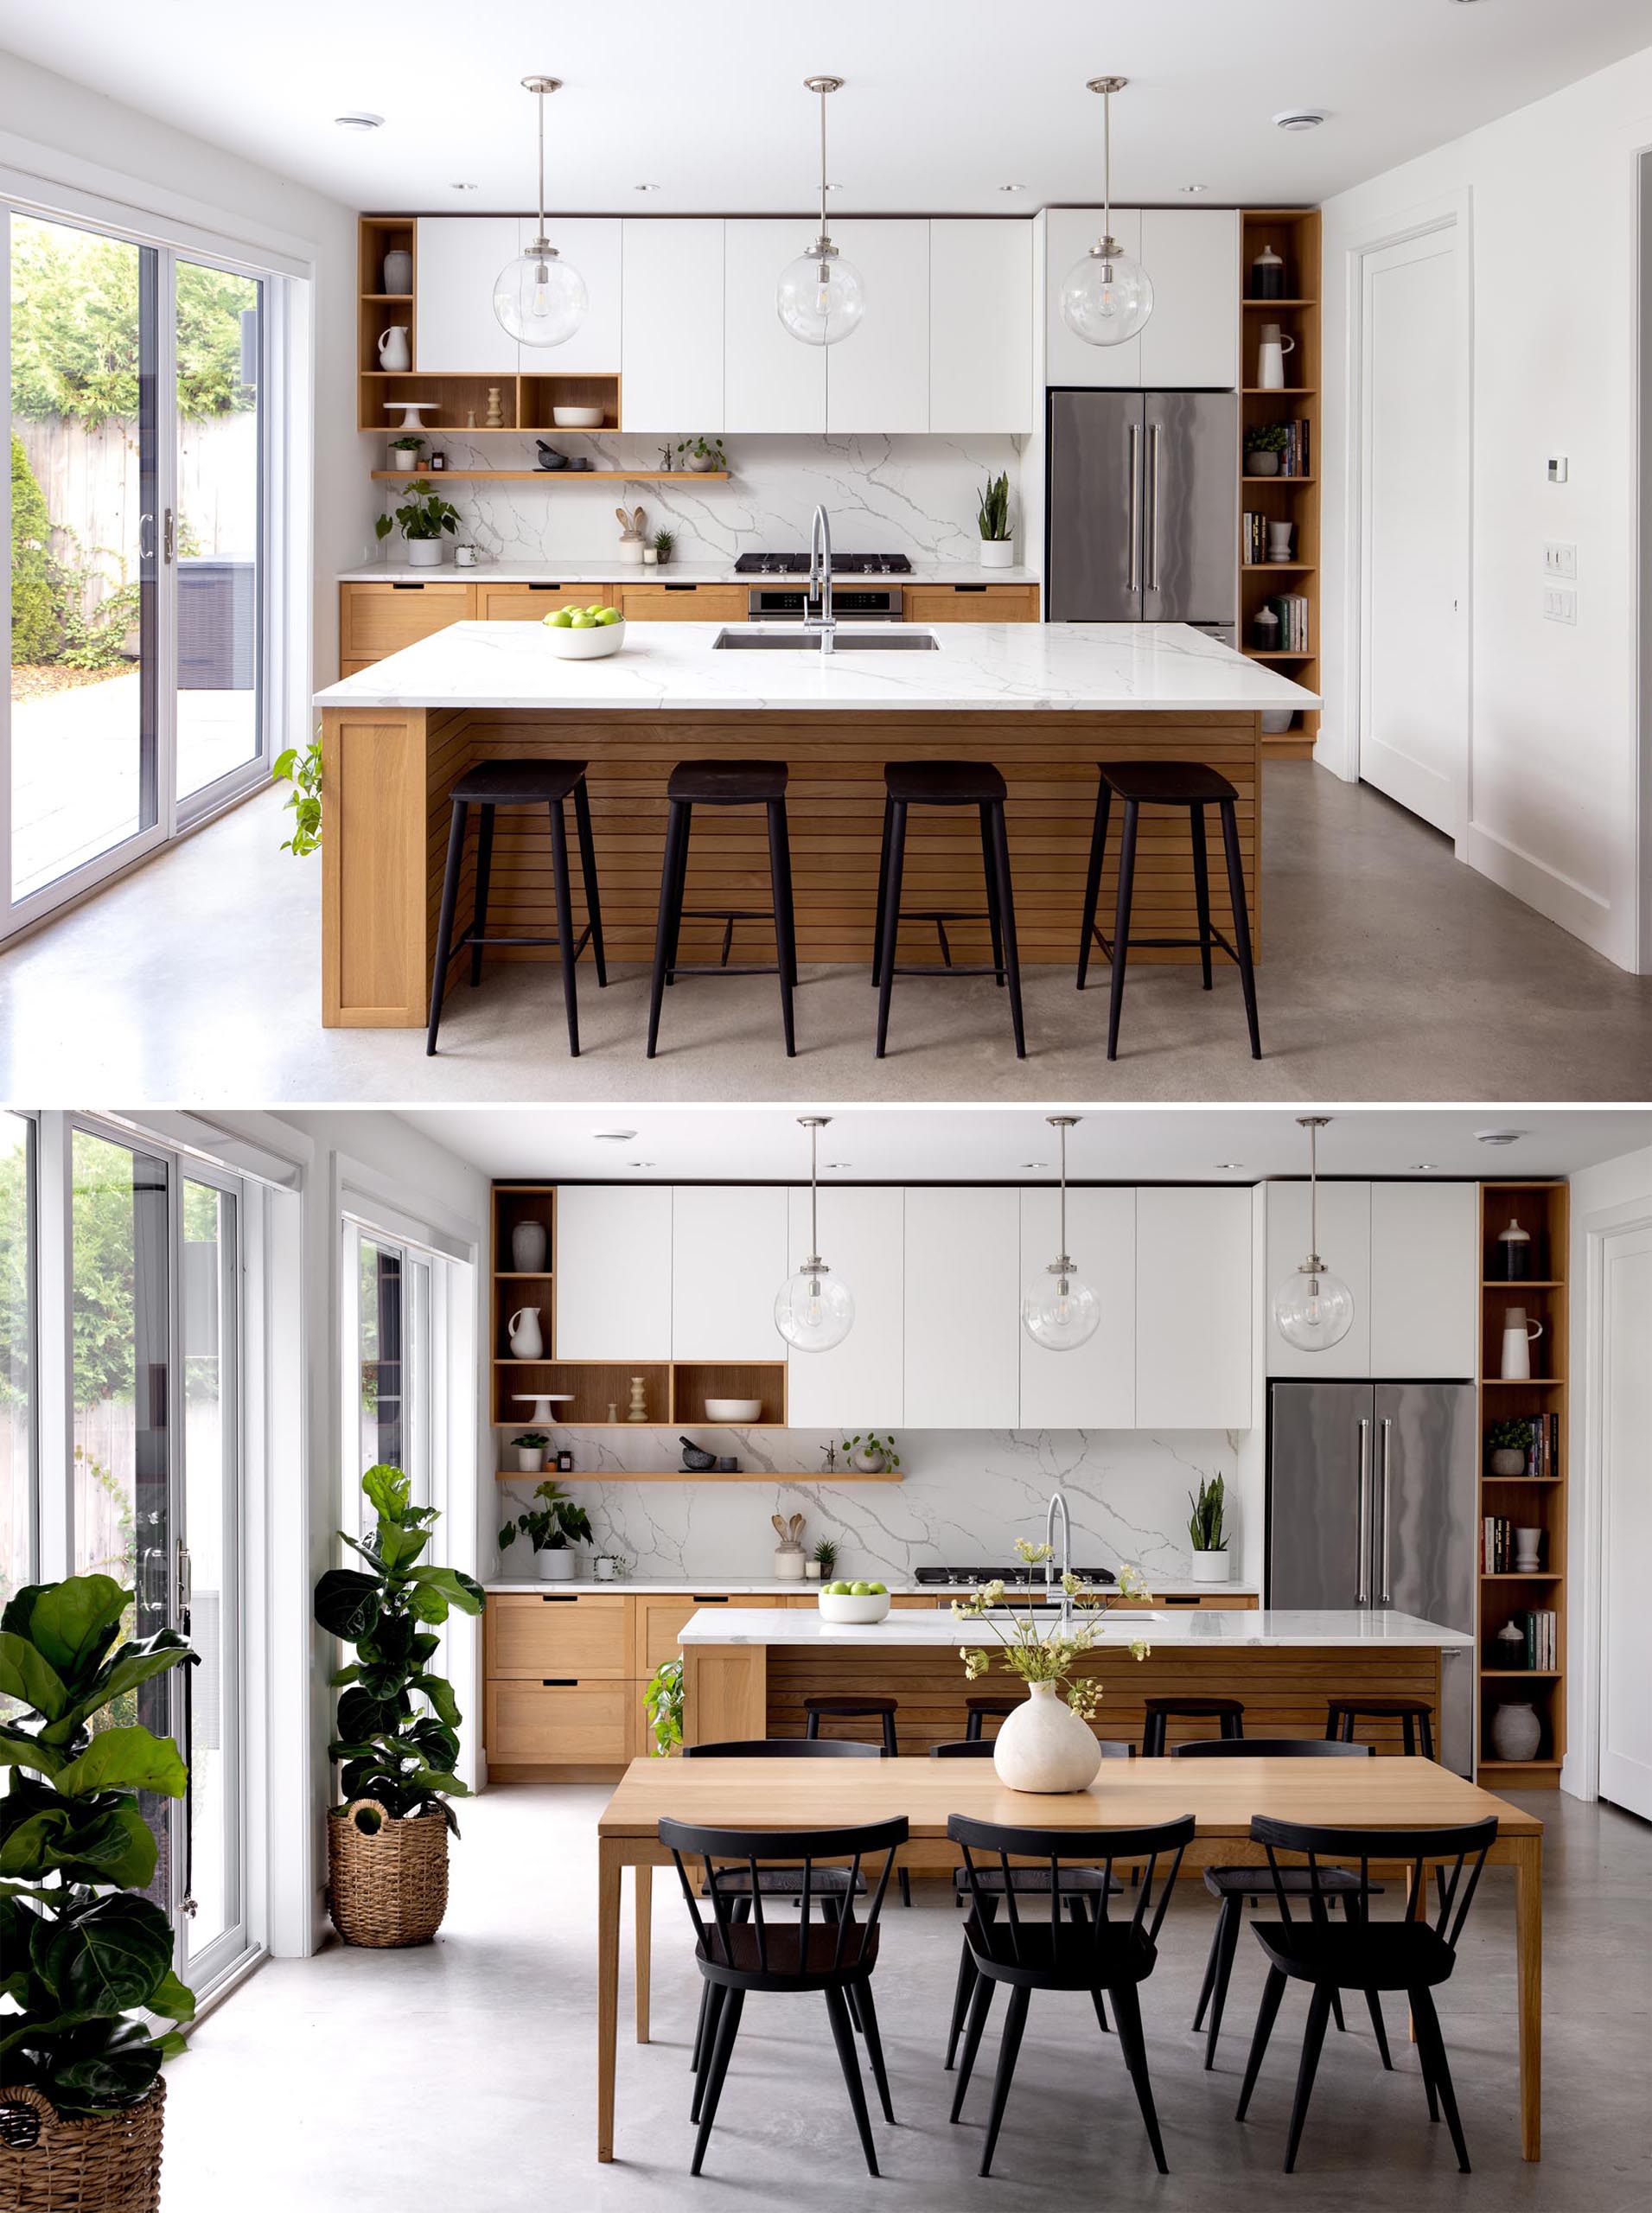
(821, 580)
(1055, 1500)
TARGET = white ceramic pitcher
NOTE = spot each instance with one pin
(1270, 359)
(1518, 1337)
(393, 350)
(527, 1342)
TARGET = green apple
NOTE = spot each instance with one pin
(878, 1590)
(607, 616)
(561, 619)
(580, 620)
(863, 1589)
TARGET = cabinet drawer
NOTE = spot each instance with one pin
(529, 603)
(559, 1725)
(970, 602)
(659, 1620)
(530, 1634)
(378, 619)
(682, 602)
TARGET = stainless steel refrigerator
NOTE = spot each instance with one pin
(1143, 508)
(1372, 1502)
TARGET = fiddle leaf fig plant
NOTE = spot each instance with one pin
(82, 1955)
(398, 1740)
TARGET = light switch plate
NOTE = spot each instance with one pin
(1559, 606)
(1557, 468)
(1560, 560)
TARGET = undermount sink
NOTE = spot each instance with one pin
(1123, 1625)
(757, 639)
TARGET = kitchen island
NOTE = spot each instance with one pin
(1043, 701)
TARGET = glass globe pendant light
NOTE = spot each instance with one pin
(813, 1308)
(819, 297)
(537, 298)
(1313, 1309)
(1059, 1310)
(1107, 297)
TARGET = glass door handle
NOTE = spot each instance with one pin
(168, 545)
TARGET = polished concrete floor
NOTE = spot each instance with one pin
(1392, 972)
(462, 2074)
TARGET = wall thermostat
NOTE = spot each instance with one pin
(1557, 468)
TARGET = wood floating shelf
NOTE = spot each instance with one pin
(1521, 1383)
(1261, 306)
(691, 1476)
(554, 476)
(1279, 391)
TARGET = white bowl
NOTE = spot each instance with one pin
(595, 644)
(734, 1409)
(576, 419)
(864, 1611)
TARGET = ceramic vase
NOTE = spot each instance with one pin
(998, 552)
(1508, 1460)
(1528, 1552)
(394, 354)
(558, 1566)
(790, 1563)
(868, 1462)
(529, 1244)
(1043, 1746)
(1262, 463)
(398, 269)
(1516, 1732)
(527, 1340)
(1278, 540)
(1210, 1568)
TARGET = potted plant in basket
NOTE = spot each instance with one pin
(398, 1740)
(1264, 443)
(1046, 1744)
(426, 521)
(1205, 1529)
(553, 1528)
(87, 1956)
(998, 540)
(530, 1450)
(1508, 1442)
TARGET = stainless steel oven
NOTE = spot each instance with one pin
(850, 602)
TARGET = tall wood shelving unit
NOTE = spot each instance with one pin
(1536, 1502)
(1293, 233)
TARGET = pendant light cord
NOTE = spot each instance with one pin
(823, 167)
(1063, 1191)
(814, 1139)
(1107, 168)
(1313, 1189)
(539, 97)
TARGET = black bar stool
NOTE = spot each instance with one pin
(488, 784)
(1167, 783)
(1411, 1714)
(723, 784)
(850, 1706)
(945, 783)
(1229, 1712)
(987, 1705)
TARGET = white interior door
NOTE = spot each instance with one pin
(1626, 1527)
(1413, 734)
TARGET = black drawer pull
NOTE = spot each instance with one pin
(710, 1598)
(559, 1682)
(969, 587)
(399, 587)
(1181, 1598)
(549, 587)
(559, 1598)
(682, 587)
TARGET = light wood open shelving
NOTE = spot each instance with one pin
(528, 476)
(686, 1475)
(1537, 1501)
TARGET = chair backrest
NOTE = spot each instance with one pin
(747, 1853)
(1275, 1748)
(1134, 1848)
(980, 1748)
(1462, 1850)
(785, 1748)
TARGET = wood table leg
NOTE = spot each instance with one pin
(644, 1946)
(609, 1862)
(1528, 1952)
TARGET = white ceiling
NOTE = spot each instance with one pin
(963, 1143)
(946, 100)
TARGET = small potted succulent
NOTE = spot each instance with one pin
(664, 544)
(822, 1564)
(870, 1455)
(1264, 443)
(1509, 1444)
(553, 1528)
(703, 455)
(530, 1451)
(426, 522)
(998, 540)
(1205, 1528)
(405, 453)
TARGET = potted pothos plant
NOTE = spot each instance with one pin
(553, 1528)
(1206, 1532)
(396, 1743)
(425, 520)
(86, 1959)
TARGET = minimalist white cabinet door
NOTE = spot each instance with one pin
(771, 381)
(878, 378)
(591, 244)
(455, 330)
(1192, 335)
(728, 1260)
(963, 1358)
(1425, 1279)
(672, 287)
(1345, 1248)
(1193, 1308)
(612, 1272)
(1093, 1386)
(860, 1384)
(980, 326)
(1070, 233)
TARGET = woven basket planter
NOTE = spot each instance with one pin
(111, 2164)
(386, 1886)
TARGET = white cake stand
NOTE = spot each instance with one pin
(413, 413)
(542, 1402)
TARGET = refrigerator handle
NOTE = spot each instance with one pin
(1365, 1511)
(1132, 527)
(1151, 532)
(1384, 1426)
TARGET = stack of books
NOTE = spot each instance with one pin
(1543, 1452)
(1541, 1629)
(1295, 461)
(1292, 609)
(1496, 1545)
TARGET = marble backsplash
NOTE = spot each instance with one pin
(966, 1498)
(912, 495)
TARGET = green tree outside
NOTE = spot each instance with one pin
(33, 614)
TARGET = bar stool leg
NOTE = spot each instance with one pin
(989, 869)
(484, 871)
(973, 1731)
(1231, 1725)
(791, 906)
(1152, 1736)
(1006, 911)
(1242, 921)
(444, 928)
(1425, 1724)
(892, 1751)
(891, 913)
(564, 923)
(678, 889)
(1093, 878)
(1121, 925)
(813, 1729)
(1331, 1724)
(588, 871)
(785, 956)
(1409, 1735)
(1201, 887)
(883, 886)
(663, 934)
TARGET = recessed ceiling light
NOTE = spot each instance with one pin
(615, 1137)
(1500, 1137)
(1299, 118)
(1193, 188)
(646, 187)
(1013, 188)
(1424, 1168)
(360, 122)
(837, 1163)
(1035, 1164)
(1229, 1164)
(463, 188)
(642, 1164)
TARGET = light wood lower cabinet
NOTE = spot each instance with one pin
(559, 1635)
(532, 603)
(561, 1725)
(378, 619)
(662, 602)
(970, 602)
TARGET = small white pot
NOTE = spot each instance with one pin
(865, 1462)
(811, 1571)
(426, 553)
(403, 457)
(651, 557)
(700, 463)
(998, 552)
(1043, 1746)
(1209, 1567)
(558, 1567)
(531, 1459)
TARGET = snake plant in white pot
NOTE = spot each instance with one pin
(1209, 1536)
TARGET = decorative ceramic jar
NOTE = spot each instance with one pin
(529, 1244)
(1516, 1732)
(1043, 1746)
(1210, 1568)
(398, 271)
(790, 1563)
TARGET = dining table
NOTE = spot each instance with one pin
(1223, 1797)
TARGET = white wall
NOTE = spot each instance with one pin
(1550, 199)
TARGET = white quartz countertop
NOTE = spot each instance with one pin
(775, 1587)
(1231, 1629)
(671, 668)
(599, 571)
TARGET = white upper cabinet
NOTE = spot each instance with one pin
(1424, 1280)
(1192, 335)
(455, 330)
(591, 244)
(878, 378)
(728, 1260)
(612, 1272)
(980, 326)
(672, 353)
(963, 1309)
(860, 1384)
(1094, 1385)
(1193, 1308)
(771, 381)
(1069, 234)
(1345, 1248)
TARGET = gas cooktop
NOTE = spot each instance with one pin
(843, 565)
(967, 1577)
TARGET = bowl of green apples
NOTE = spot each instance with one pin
(585, 633)
(857, 1604)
